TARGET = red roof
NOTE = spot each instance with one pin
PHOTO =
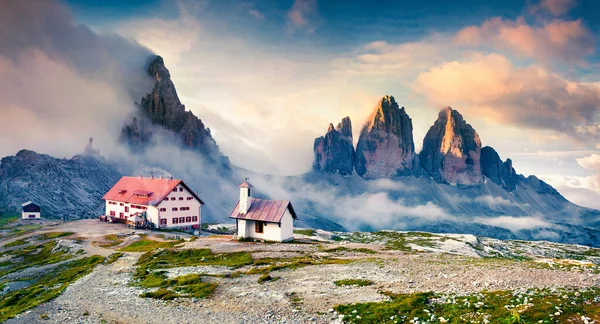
(264, 210)
(144, 191)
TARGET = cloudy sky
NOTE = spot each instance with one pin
(268, 76)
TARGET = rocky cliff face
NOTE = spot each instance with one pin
(72, 187)
(334, 152)
(162, 109)
(451, 150)
(501, 173)
(385, 147)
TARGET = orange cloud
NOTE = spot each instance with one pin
(554, 7)
(490, 86)
(301, 14)
(591, 162)
(557, 39)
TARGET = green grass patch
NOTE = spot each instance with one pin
(294, 299)
(113, 257)
(191, 257)
(267, 265)
(307, 232)
(6, 220)
(392, 240)
(523, 306)
(46, 287)
(188, 286)
(345, 249)
(18, 230)
(267, 277)
(52, 235)
(110, 240)
(16, 243)
(162, 293)
(145, 244)
(148, 275)
(353, 282)
(32, 256)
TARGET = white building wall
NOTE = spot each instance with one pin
(118, 209)
(152, 215)
(287, 226)
(26, 215)
(241, 228)
(155, 215)
(168, 204)
(271, 231)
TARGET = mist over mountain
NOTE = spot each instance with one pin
(453, 185)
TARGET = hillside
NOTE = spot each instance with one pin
(63, 187)
(323, 277)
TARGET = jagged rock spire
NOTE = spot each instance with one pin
(385, 147)
(451, 150)
(162, 110)
(334, 152)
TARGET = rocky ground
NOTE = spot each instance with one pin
(407, 263)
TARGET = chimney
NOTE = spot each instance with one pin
(245, 197)
(161, 177)
(140, 176)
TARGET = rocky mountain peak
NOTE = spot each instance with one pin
(157, 69)
(345, 127)
(334, 152)
(161, 112)
(501, 173)
(385, 147)
(451, 150)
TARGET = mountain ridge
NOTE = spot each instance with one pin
(467, 186)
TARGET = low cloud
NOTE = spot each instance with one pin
(493, 201)
(388, 184)
(581, 190)
(591, 162)
(492, 88)
(355, 212)
(568, 41)
(61, 82)
(514, 224)
(379, 211)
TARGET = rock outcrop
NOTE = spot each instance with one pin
(334, 152)
(501, 173)
(451, 150)
(162, 110)
(385, 147)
